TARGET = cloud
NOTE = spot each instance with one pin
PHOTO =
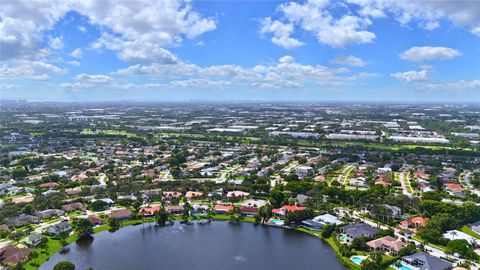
(56, 43)
(199, 83)
(132, 29)
(313, 17)
(93, 79)
(8, 86)
(348, 60)
(136, 31)
(84, 81)
(456, 86)
(429, 53)
(282, 75)
(77, 53)
(281, 33)
(475, 30)
(25, 68)
(74, 63)
(82, 29)
(427, 14)
(411, 76)
(286, 59)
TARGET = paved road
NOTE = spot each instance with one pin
(464, 179)
(402, 177)
(102, 179)
(345, 171)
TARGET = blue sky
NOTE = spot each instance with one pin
(318, 50)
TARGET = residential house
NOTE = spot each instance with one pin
(358, 181)
(303, 170)
(413, 223)
(95, 220)
(475, 227)
(49, 185)
(237, 193)
(456, 235)
(193, 194)
(248, 211)
(49, 213)
(23, 220)
(319, 221)
(34, 240)
(171, 194)
(356, 230)
(12, 255)
(425, 261)
(395, 211)
(122, 214)
(149, 211)
(27, 199)
(221, 209)
(287, 208)
(76, 206)
(301, 199)
(73, 191)
(62, 227)
(386, 244)
(455, 189)
(174, 209)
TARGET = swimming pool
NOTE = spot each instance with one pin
(342, 237)
(403, 267)
(277, 221)
(356, 259)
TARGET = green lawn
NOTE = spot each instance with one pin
(53, 246)
(468, 231)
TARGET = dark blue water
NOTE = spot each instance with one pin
(219, 245)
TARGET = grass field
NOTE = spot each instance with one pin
(108, 132)
(319, 144)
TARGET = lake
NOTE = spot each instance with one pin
(218, 245)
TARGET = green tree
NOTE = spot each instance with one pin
(374, 262)
(328, 230)
(28, 209)
(84, 229)
(407, 250)
(64, 265)
(114, 224)
(462, 247)
(359, 243)
(98, 205)
(162, 217)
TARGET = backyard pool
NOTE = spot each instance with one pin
(342, 237)
(277, 221)
(403, 267)
(356, 259)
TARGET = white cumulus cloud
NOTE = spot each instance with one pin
(349, 60)
(77, 53)
(429, 53)
(411, 76)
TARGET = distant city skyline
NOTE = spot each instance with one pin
(352, 50)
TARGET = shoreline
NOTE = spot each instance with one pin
(35, 263)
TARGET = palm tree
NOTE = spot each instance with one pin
(265, 212)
